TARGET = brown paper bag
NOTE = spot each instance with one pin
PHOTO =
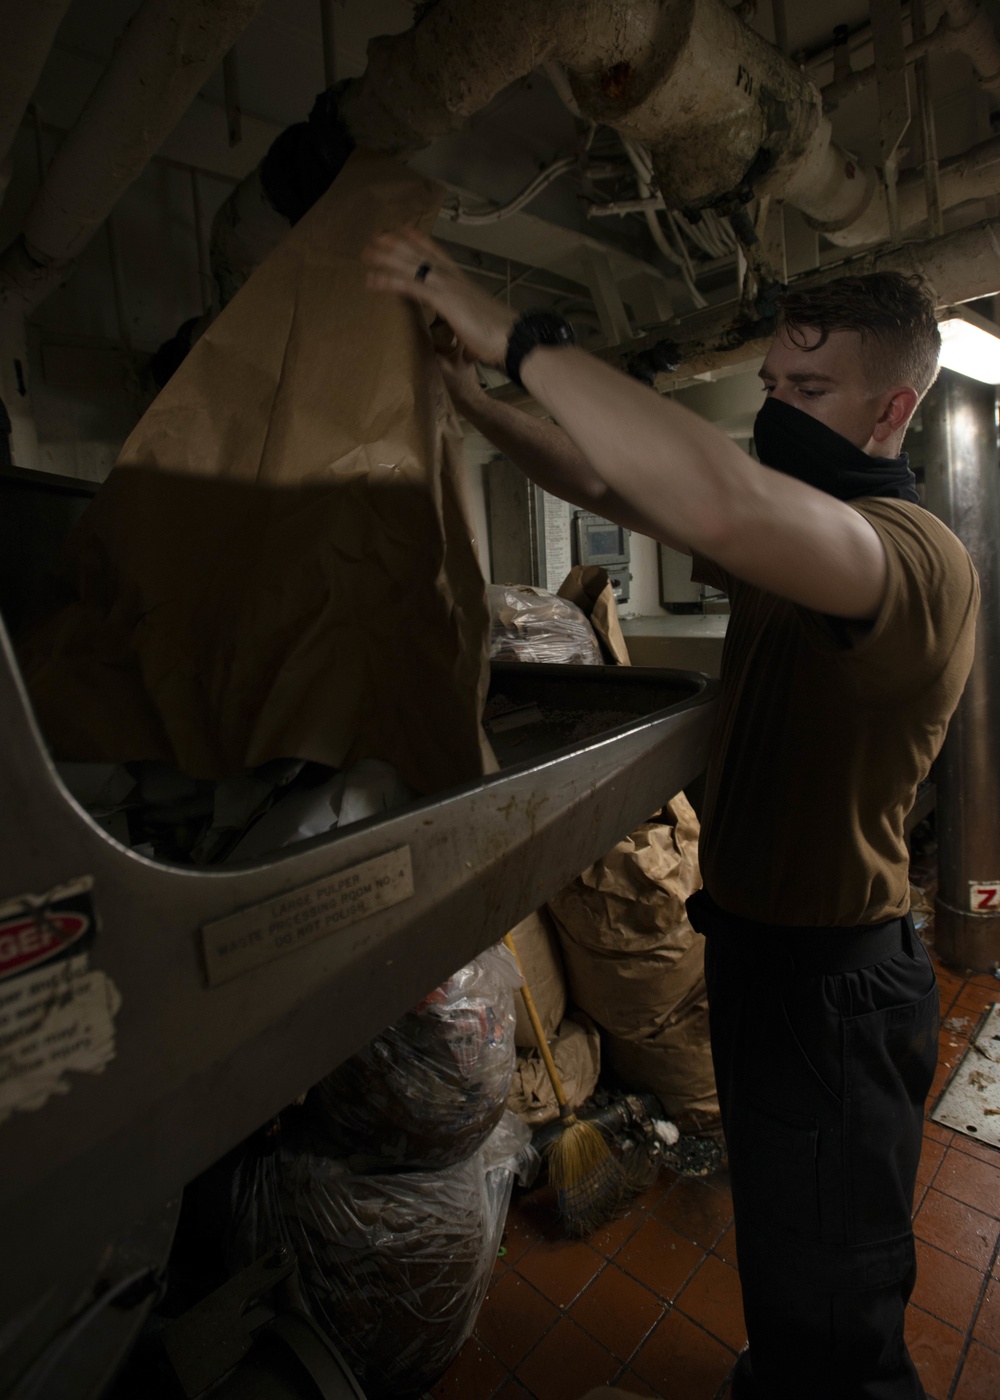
(538, 952)
(280, 564)
(576, 1050)
(588, 586)
(635, 965)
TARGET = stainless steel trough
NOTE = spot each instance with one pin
(233, 1000)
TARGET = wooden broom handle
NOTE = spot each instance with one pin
(536, 1026)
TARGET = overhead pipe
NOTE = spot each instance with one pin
(957, 268)
(722, 112)
(29, 31)
(168, 50)
(965, 27)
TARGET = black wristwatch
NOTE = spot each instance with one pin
(531, 329)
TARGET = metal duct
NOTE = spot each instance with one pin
(963, 488)
(28, 34)
(165, 55)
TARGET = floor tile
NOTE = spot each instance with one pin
(609, 1240)
(617, 1312)
(935, 1349)
(660, 1258)
(514, 1318)
(566, 1364)
(560, 1269)
(945, 1287)
(951, 1047)
(987, 980)
(936, 1132)
(513, 1390)
(987, 1328)
(950, 984)
(520, 1234)
(726, 1247)
(931, 1156)
(941, 1076)
(980, 1378)
(982, 1151)
(973, 1001)
(681, 1360)
(653, 1194)
(632, 1384)
(956, 1228)
(697, 1211)
(474, 1375)
(968, 1179)
(713, 1299)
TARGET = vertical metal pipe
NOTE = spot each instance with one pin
(780, 18)
(205, 284)
(963, 489)
(231, 96)
(329, 39)
(928, 128)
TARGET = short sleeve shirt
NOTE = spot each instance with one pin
(826, 729)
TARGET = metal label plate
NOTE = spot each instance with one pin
(252, 937)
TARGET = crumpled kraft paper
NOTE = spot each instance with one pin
(576, 1050)
(280, 564)
(541, 962)
(635, 965)
(588, 586)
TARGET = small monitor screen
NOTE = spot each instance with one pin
(601, 540)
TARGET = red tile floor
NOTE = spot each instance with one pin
(652, 1303)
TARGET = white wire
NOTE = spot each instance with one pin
(504, 211)
(679, 257)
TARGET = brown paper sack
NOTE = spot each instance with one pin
(635, 965)
(588, 586)
(577, 1053)
(541, 962)
(280, 564)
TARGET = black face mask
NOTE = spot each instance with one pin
(792, 442)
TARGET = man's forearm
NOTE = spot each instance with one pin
(546, 454)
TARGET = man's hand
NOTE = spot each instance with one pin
(460, 378)
(415, 266)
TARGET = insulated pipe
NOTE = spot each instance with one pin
(963, 489)
(28, 34)
(721, 110)
(166, 53)
(967, 25)
(973, 175)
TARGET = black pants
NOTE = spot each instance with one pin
(825, 1045)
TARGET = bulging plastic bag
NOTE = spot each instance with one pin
(394, 1266)
(428, 1090)
(528, 624)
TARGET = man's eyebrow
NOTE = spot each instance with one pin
(801, 377)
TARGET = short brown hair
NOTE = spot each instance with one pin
(893, 315)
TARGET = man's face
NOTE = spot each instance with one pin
(828, 383)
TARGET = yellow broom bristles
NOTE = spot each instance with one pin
(589, 1182)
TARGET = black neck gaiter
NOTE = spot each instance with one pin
(792, 442)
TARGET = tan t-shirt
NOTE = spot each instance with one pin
(826, 728)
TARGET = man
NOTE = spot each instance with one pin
(850, 640)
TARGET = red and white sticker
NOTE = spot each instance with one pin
(984, 896)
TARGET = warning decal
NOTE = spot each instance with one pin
(984, 896)
(56, 1014)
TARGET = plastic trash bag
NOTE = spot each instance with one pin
(428, 1090)
(394, 1266)
(528, 624)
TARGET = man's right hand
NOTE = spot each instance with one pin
(460, 378)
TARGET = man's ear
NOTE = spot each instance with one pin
(898, 408)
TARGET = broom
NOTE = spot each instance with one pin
(589, 1182)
